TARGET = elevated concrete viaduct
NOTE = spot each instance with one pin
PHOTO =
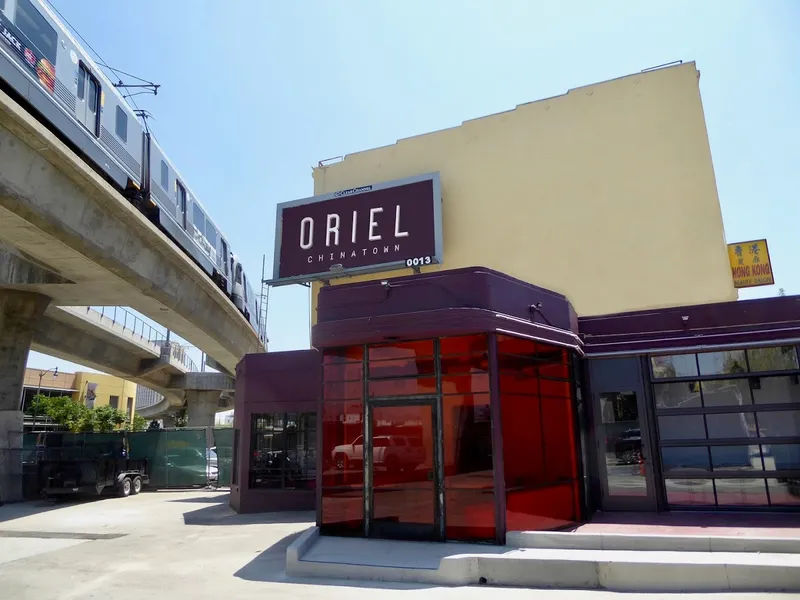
(70, 240)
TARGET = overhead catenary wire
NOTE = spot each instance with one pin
(100, 60)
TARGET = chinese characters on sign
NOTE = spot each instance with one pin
(750, 264)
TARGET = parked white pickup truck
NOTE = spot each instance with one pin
(394, 452)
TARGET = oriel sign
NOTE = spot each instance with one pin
(750, 264)
(364, 229)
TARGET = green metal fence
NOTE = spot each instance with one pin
(176, 458)
(223, 444)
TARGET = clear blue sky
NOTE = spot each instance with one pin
(255, 92)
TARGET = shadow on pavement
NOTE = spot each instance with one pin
(20, 510)
(218, 512)
(270, 566)
(220, 498)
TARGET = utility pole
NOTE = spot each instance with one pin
(39, 391)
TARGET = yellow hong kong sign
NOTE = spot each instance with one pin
(750, 264)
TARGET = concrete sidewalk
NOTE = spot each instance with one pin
(192, 545)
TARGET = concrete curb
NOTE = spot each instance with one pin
(614, 570)
(644, 542)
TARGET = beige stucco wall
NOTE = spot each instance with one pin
(605, 194)
(107, 386)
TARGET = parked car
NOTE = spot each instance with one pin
(628, 446)
(394, 452)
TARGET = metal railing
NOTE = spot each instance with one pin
(129, 321)
(139, 326)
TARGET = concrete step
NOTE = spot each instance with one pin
(651, 542)
(472, 564)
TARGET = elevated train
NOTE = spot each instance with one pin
(45, 67)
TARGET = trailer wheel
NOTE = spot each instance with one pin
(124, 487)
(137, 485)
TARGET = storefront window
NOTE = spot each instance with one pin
(283, 450)
(342, 507)
(539, 457)
(737, 401)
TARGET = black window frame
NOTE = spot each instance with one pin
(263, 473)
(121, 117)
(749, 410)
(113, 402)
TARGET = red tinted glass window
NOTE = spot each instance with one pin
(468, 344)
(401, 350)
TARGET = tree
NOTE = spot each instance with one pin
(105, 419)
(154, 426)
(138, 423)
(181, 418)
(781, 292)
(62, 410)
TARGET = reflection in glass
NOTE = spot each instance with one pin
(539, 454)
(735, 492)
(776, 390)
(402, 367)
(694, 458)
(779, 457)
(469, 514)
(722, 363)
(342, 443)
(623, 447)
(342, 511)
(467, 439)
(383, 388)
(677, 365)
(466, 344)
(681, 427)
(784, 423)
(690, 492)
(283, 450)
(403, 496)
(784, 492)
(412, 350)
(731, 425)
(726, 392)
(778, 358)
(677, 395)
(736, 458)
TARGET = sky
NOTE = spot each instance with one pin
(256, 92)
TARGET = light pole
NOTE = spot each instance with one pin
(39, 391)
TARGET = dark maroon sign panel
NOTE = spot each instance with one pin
(360, 230)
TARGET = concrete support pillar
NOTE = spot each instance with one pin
(19, 312)
(168, 421)
(201, 411)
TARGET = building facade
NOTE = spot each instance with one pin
(566, 337)
(91, 389)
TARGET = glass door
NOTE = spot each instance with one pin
(624, 455)
(402, 470)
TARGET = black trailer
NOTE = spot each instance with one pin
(89, 464)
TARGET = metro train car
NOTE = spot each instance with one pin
(44, 67)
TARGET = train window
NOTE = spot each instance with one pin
(244, 286)
(198, 218)
(239, 273)
(33, 24)
(211, 234)
(91, 101)
(81, 82)
(224, 257)
(164, 175)
(122, 124)
(181, 202)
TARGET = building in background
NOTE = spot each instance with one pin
(91, 389)
(520, 321)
